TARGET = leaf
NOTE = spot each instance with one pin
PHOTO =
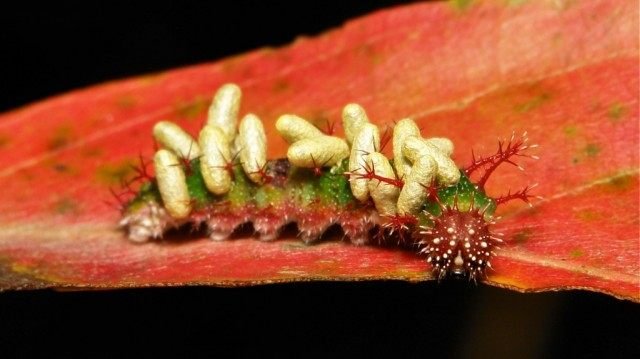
(565, 72)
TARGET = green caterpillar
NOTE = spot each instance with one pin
(224, 180)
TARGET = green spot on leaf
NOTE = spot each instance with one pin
(588, 215)
(461, 4)
(516, 2)
(191, 109)
(65, 205)
(113, 173)
(533, 104)
(93, 152)
(592, 150)
(576, 253)
(280, 86)
(616, 111)
(570, 130)
(621, 183)
(523, 236)
(370, 53)
(63, 168)
(61, 137)
(126, 102)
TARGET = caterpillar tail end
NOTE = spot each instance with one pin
(148, 222)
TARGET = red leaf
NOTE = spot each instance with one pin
(567, 74)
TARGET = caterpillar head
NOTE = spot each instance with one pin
(459, 243)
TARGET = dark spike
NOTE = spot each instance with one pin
(331, 128)
(370, 174)
(522, 194)
(264, 175)
(503, 155)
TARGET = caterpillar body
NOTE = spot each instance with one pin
(223, 180)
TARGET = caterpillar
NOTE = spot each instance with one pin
(420, 198)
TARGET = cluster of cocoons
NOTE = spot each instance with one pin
(398, 191)
(418, 161)
(219, 141)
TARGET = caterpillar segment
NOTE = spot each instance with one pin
(224, 180)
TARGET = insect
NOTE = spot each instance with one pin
(421, 198)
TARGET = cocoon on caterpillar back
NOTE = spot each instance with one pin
(420, 197)
(252, 144)
(216, 152)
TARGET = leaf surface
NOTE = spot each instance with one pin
(565, 72)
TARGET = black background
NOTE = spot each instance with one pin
(48, 49)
